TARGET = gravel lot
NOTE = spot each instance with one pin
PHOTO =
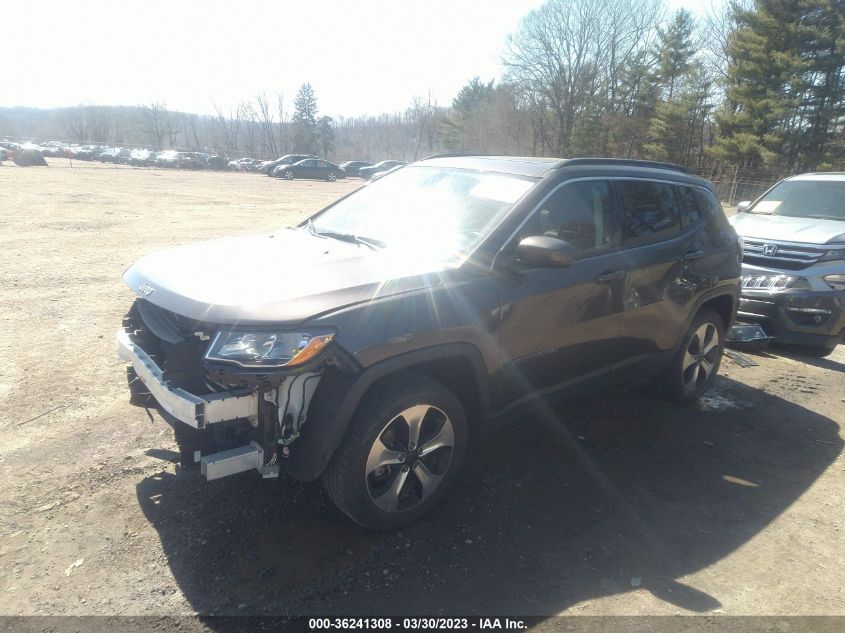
(627, 505)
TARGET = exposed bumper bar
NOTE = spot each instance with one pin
(236, 460)
(193, 410)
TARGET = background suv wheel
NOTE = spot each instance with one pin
(697, 361)
(402, 453)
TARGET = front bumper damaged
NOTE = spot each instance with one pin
(198, 412)
(195, 411)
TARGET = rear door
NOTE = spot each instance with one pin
(559, 325)
(668, 251)
(321, 170)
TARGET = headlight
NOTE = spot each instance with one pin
(837, 282)
(833, 255)
(266, 349)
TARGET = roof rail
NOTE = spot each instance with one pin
(449, 155)
(627, 162)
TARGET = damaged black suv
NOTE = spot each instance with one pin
(369, 343)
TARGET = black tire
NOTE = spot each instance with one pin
(331, 177)
(682, 382)
(346, 479)
(289, 175)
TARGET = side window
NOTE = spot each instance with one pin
(580, 213)
(649, 212)
(691, 212)
(708, 202)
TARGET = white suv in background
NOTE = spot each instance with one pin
(793, 269)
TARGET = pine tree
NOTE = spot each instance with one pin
(676, 50)
(785, 94)
(467, 109)
(305, 135)
(325, 134)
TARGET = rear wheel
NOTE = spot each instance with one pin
(697, 361)
(402, 453)
(331, 177)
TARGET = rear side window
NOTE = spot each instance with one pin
(691, 212)
(650, 212)
(708, 203)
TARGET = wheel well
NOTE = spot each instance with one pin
(722, 305)
(456, 374)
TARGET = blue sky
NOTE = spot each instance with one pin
(361, 56)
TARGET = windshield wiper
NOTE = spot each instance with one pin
(818, 217)
(345, 237)
(352, 239)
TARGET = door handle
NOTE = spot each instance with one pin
(691, 255)
(611, 275)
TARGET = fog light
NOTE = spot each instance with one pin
(837, 282)
(819, 311)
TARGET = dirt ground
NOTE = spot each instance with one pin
(627, 505)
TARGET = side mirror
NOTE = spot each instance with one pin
(545, 252)
(743, 206)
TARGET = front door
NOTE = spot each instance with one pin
(558, 326)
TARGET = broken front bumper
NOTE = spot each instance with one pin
(195, 411)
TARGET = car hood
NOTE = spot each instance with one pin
(284, 277)
(788, 229)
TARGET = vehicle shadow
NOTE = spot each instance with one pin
(566, 505)
(821, 363)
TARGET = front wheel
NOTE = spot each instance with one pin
(289, 175)
(402, 453)
(697, 361)
(331, 177)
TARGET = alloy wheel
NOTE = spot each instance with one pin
(409, 458)
(700, 356)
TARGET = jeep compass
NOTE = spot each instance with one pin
(367, 345)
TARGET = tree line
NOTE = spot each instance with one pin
(754, 85)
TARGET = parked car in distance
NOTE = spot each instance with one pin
(351, 167)
(368, 172)
(793, 269)
(382, 174)
(366, 345)
(245, 164)
(10, 148)
(167, 158)
(310, 168)
(179, 160)
(142, 158)
(90, 152)
(115, 155)
(107, 155)
(268, 166)
(52, 151)
(219, 162)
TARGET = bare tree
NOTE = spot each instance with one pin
(265, 120)
(568, 56)
(153, 122)
(73, 122)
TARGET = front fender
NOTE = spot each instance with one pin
(338, 396)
